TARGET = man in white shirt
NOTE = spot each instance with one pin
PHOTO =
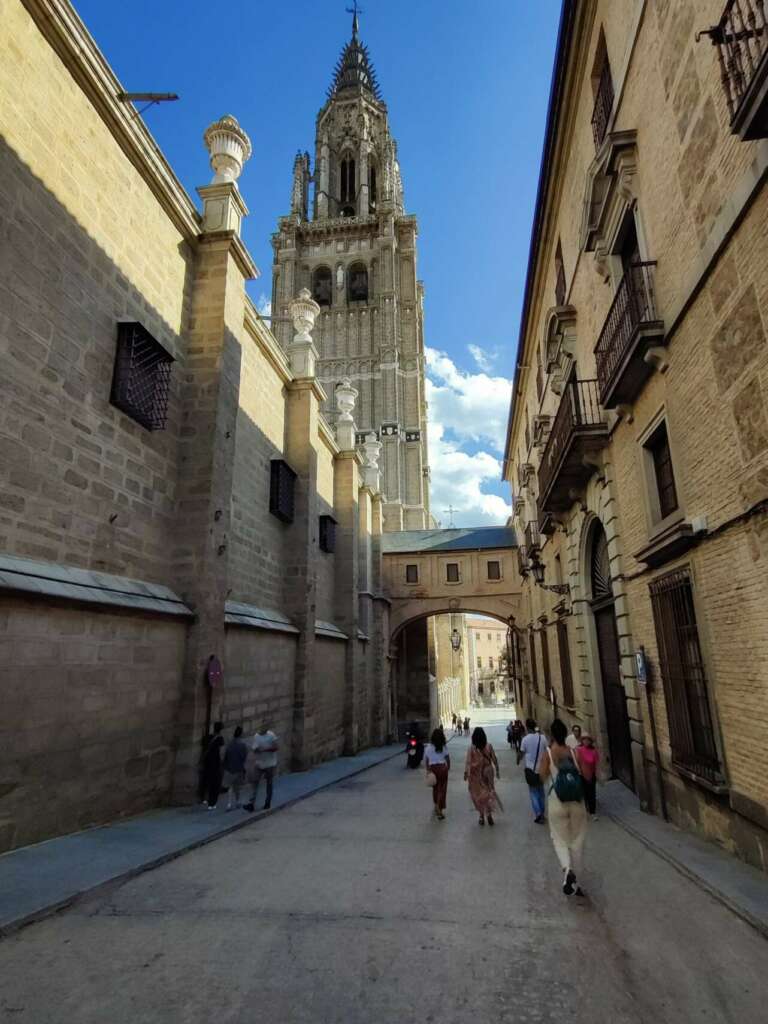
(573, 739)
(533, 748)
(265, 748)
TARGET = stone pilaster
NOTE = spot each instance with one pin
(345, 498)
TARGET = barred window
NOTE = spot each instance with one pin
(691, 732)
(565, 663)
(141, 376)
(327, 534)
(411, 574)
(281, 487)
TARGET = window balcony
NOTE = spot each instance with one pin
(741, 38)
(578, 433)
(631, 331)
(531, 536)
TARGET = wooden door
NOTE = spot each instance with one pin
(616, 718)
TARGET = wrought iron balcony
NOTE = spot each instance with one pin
(522, 562)
(603, 105)
(578, 432)
(631, 329)
(741, 37)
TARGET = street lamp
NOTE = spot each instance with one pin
(537, 568)
(455, 640)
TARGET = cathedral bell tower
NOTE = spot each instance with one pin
(357, 255)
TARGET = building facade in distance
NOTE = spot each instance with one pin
(637, 448)
(349, 241)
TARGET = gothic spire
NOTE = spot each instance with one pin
(354, 68)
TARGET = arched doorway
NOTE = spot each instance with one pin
(614, 697)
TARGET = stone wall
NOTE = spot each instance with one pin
(88, 723)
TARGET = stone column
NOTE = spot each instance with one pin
(210, 399)
(324, 178)
(301, 453)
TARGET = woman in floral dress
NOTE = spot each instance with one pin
(480, 771)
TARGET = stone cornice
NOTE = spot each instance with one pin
(326, 436)
(69, 38)
(308, 384)
(266, 341)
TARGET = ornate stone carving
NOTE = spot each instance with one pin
(346, 396)
(610, 191)
(229, 147)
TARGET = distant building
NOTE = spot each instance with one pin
(487, 640)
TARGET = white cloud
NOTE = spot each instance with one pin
(471, 406)
(483, 358)
(472, 410)
(264, 304)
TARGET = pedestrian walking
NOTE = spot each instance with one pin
(510, 733)
(453, 720)
(533, 747)
(438, 763)
(466, 726)
(588, 761)
(480, 771)
(518, 732)
(573, 739)
(235, 756)
(458, 726)
(565, 806)
(212, 768)
(265, 747)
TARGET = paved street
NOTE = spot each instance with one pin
(355, 906)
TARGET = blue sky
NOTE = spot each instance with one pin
(466, 84)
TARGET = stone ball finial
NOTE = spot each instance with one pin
(229, 147)
(304, 312)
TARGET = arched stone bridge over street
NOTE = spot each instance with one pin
(457, 571)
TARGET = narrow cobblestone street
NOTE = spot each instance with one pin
(354, 906)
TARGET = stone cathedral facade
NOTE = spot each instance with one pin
(349, 240)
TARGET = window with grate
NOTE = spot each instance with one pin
(565, 663)
(658, 448)
(534, 669)
(281, 487)
(691, 732)
(327, 534)
(494, 570)
(141, 377)
(544, 637)
(411, 574)
(452, 572)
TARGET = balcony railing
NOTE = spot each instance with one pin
(522, 562)
(603, 105)
(578, 428)
(741, 37)
(630, 329)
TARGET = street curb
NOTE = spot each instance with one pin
(692, 876)
(42, 913)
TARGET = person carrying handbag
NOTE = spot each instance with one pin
(438, 764)
(533, 748)
(480, 772)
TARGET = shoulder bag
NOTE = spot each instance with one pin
(532, 777)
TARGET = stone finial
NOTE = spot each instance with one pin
(302, 351)
(229, 147)
(346, 396)
(304, 312)
(372, 451)
(371, 455)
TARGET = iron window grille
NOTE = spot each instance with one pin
(691, 732)
(141, 377)
(411, 574)
(327, 534)
(281, 490)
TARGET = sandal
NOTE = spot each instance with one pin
(481, 821)
(490, 819)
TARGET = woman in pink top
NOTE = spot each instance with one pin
(588, 758)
